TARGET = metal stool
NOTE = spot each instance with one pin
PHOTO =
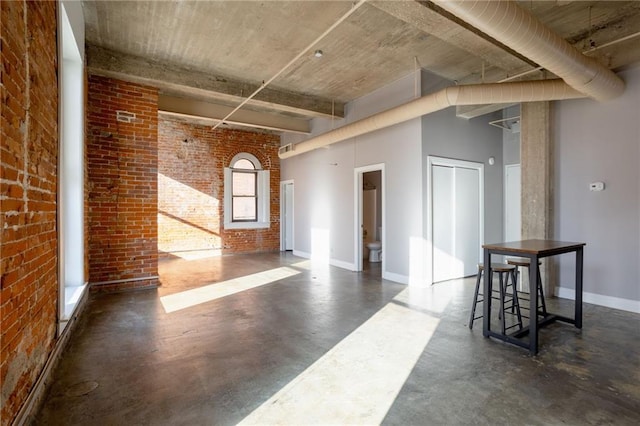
(504, 271)
(525, 263)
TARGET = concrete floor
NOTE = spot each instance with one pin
(295, 343)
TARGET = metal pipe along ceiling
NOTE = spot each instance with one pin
(513, 26)
(526, 91)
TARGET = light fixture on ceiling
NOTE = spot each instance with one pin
(318, 53)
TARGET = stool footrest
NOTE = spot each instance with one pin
(508, 300)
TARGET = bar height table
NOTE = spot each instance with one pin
(533, 250)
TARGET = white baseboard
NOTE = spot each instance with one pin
(599, 299)
(333, 262)
(341, 264)
(392, 276)
(402, 279)
(302, 254)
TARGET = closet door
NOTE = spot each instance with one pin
(467, 221)
(456, 221)
(443, 187)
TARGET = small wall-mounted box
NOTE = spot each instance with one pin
(596, 186)
(125, 116)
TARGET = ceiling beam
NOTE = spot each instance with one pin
(190, 108)
(187, 82)
(430, 19)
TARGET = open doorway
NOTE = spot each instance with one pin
(369, 235)
(286, 215)
(456, 217)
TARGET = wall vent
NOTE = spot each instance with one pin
(125, 116)
(286, 148)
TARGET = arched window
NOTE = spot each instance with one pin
(246, 193)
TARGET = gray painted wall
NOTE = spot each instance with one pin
(601, 142)
(445, 135)
(324, 185)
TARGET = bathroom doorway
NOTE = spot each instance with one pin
(369, 218)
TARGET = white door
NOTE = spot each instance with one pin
(512, 209)
(444, 261)
(467, 231)
(286, 216)
(456, 214)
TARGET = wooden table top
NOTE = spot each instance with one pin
(537, 247)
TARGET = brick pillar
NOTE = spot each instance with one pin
(122, 162)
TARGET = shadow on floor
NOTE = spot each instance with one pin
(131, 362)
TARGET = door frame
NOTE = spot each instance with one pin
(450, 162)
(283, 183)
(358, 173)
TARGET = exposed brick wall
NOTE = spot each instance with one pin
(28, 179)
(189, 191)
(122, 162)
(86, 184)
(191, 161)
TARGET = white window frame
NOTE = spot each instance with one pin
(263, 194)
(70, 206)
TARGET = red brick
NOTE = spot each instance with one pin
(121, 163)
(29, 240)
(191, 187)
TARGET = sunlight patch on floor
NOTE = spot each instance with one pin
(207, 293)
(358, 380)
(305, 264)
(197, 254)
(434, 298)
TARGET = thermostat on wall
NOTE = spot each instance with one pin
(596, 186)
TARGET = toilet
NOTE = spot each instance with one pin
(375, 249)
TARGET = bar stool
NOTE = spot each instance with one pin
(504, 271)
(525, 263)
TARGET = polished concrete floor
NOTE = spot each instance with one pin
(273, 339)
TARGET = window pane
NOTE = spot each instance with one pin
(244, 208)
(243, 163)
(244, 184)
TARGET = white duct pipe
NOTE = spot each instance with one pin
(496, 93)
(515, 27)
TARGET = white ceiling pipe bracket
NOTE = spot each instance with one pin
(513, 26)
(496, 93)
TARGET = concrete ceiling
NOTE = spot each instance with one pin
(219, 52)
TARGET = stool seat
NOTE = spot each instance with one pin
(507, 278)
(520, 262)
(498, 267)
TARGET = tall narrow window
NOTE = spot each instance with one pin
(244, 191)
(247, 193)
(71, 124)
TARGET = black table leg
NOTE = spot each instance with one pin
(487, 288)
(533, 305)
(578, 307)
